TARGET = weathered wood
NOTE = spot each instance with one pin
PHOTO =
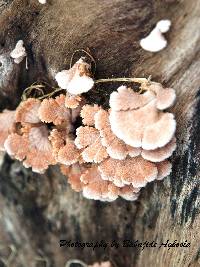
(37, 210)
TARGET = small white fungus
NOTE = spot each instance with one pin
(42, 1)
(19, 52)
(155, 41)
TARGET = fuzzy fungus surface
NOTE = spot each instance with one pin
(19, 52)
(76, 80)
(7, 126)
(143, 125)
(114, 153)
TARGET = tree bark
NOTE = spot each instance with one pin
(36, 211)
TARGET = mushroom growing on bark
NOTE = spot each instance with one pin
(131, 171)
(76, 80)
(156, 41)
(54, 111)
(32, 147)
(88, 139)
(19, 52)
(115, 147)
(88, 180)
(30, 144)
(142, 125)
(7, 126)
(64, 149)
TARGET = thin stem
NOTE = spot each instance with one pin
(29, 89)
(136, 80)
(76, 261)
(50, 94)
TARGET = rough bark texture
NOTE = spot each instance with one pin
(37, 210)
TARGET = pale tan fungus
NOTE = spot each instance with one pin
(33, 147)
(96, 188)
(115, 147)
(54, 111)
(88, 139)
(144, 127)
(131, 171)
(76, 80)
(72, 101)
(129, 193)
(164, 169)
(19, 52)
(73, 174)
(160, 154)
(69, 153)
(165, 96)
(63, 147)
(7, 126)
(27, 111)
(87, 114)
(125, 99)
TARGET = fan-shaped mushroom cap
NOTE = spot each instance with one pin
(115, 147)
(64, 149)
(7, 126)
(19, 52)
(33, 147)
(165, 96)
(68, 154)
(155, 41)
(131, 171)
(87, 114)
(27, 111)
(54, 110)
(16, 146)
(96, 188)
(160, 154)
(129, 193)
(72, 101)
(144, 127)
(164, 169)
(160, 133)
(73, 174)
(125, 99)
(88, 139)
(76, 80)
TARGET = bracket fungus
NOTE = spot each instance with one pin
(30, 143)
(76, 80)
(114, 153)
(131, 171)
(87, 114)
(7, 126)
(54, 111)
(19, 52)
(115, 147)
(88, 180)
(155, 41)
(64, 149)
(150, 128)
(88, 139)
(32, 147)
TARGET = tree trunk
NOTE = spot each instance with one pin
(36, 211)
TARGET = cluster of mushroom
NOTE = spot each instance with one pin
(113, 154)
